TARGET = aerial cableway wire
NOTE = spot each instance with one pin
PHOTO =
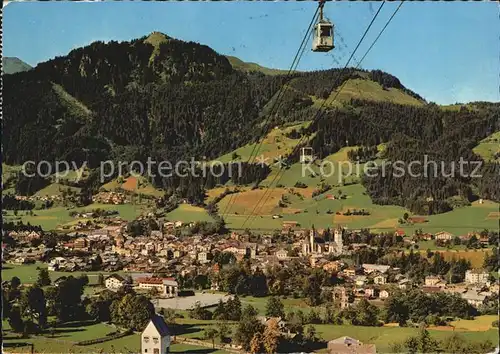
(319, 113)
(276, 104)
(294, 63)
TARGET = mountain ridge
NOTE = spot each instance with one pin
(168, 99)
(12, 65)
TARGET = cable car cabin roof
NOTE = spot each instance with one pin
(324, 23)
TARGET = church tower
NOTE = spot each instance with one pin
(338, 239)
(312, 235)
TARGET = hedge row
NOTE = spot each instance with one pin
(105, 339)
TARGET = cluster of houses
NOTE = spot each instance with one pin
(110, 198)
(25, 236)
(448, 237)
(71, 264)
(475, 289)
(43, 198)
(163, 251)
(373, 281)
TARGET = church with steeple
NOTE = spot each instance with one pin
(313, 244)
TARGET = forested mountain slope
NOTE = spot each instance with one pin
(168, 99)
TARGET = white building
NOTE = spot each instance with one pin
(114, 281)
(155, 339)
(433, 280)
(203, 257)
(473, 298)
(282, 254)
(167, 287)
(370, 268)
(384, 294)
(443, 236)
(476, 276)
(380, 279)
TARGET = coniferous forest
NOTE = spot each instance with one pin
(177, 100)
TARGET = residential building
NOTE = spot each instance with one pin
(349, 272)
(282, 254)
(340, 296)
(167, 287)
(473, 298)
(344, 345)
(361, 280)
(332, 266)
(400, 232)
(80, 244)
(380, 279)
(432, 280)
(203, 257)
(114, 281)
(476, 276)
(155, 339)
(371, 292)
(288, 225)
(404, 283)
(370, 268)
(443, 236)
(384, 294)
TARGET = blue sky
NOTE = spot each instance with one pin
(447, 52)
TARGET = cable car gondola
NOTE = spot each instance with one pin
(323, 33)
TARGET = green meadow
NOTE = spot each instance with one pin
(50, 219)
(488, 147)
(28, 273)
(384, 337)
(313, 211)
(188, 213)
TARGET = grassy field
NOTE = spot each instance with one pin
(276, 143)
(50, 219)
(260, 303)
(56, 189)
(383, 337)
(138, 185)
(128, 344)
(476, 257)
(239, 64)
(480, 323)
(66, 336)
(477, 330)
(309, 211)
(336, 171)
(369, 90)
(431, 245)
(188, 213)
(28, 273)
(244, 202)
(73, 175)
(9, 173)
(488, 147)
(72, 104)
